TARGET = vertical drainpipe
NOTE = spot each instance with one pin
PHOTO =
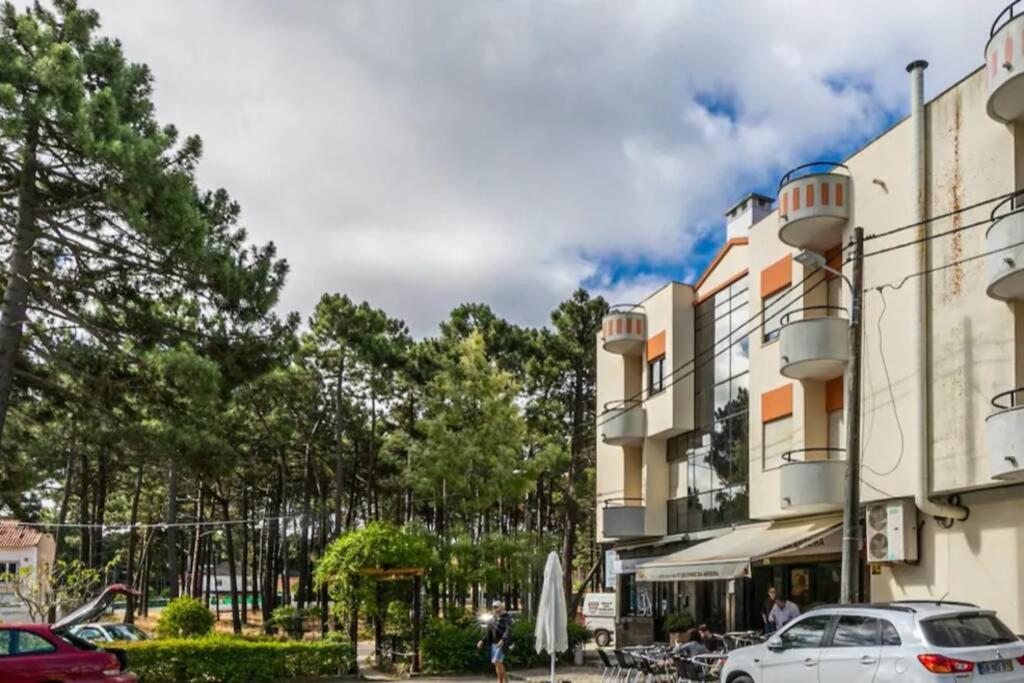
(921, 303)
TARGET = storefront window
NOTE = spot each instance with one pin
(717, 450)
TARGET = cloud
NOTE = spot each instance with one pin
(423, 154)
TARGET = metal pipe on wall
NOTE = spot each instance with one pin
(921, 303)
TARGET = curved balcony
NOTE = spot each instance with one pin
(623, 329)
(1004, 65)
(815, 346)
(812, 480)
(1006, 436)
(624, 423)
(814, 205)
(1004, 244)
(624, 518)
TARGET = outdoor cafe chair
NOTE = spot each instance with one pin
(611, 669)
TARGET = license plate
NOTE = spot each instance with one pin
(996, 667)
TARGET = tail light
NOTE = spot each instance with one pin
(940, 664)
(1020, 660)
(113, 667)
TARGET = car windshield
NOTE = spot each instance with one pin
(966, 630)
(73, 640)
(125, 632)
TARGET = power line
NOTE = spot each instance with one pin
(941, 216)
(116, 528)
(944, 266)
(945, 233)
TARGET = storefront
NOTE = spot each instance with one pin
(726, 579)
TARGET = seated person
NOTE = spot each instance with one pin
(695, 645)
(711, 642)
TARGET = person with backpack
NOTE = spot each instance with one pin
(498, 638)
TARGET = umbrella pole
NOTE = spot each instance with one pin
(552, 669)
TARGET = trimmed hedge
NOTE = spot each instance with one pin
(226, 659)
(450, 646)
(185, 617)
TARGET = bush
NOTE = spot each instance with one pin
(677, 622)
(226, 659)
(294, 621)
(185, 618)
(450, 646)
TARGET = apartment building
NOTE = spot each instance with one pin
(722, 404)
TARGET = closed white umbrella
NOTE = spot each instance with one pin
(551, 634)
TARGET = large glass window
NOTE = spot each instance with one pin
(655, 375)
(807, 633)
(716, 451)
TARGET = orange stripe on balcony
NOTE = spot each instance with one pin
(834, 394)
(777, 276)
(839, 194)
(1008, 49)
(777, 403)
(824, 194)
(639, 327)
(796, 198)
(656, 346)
(785, 203)
(810, 194)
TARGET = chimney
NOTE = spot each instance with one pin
(745, 213)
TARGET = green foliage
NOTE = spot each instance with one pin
(185, 617)
(677, 622)
(451, 645)
(222, 659)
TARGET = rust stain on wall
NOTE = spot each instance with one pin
(955, 275)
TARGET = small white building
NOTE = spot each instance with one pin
(21, 548)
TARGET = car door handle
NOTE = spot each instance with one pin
(868, 659)
(810, 663)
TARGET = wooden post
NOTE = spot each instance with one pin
(353, 625)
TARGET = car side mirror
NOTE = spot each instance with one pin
(775, 645)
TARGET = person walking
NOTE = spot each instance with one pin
(497, 638)
(766, 611)
(783, 612)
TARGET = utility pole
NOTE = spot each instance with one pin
(850, 592)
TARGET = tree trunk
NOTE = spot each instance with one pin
(571, 505)
(85, 533)
(129, 611)
(65, 503)
(339, 460)
(307, 510)
(236, 617)
(14, 310)
(375, 489)
(172, 530)
(96, 547)
(245, 554)
(195, 585)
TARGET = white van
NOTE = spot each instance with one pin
(599, 616)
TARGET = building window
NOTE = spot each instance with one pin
(716, 452)
(655, 375)
(776, 439)
(771, 315)
(8, 570)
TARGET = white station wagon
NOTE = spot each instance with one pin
(905, 642)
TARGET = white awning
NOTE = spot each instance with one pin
(729, 556)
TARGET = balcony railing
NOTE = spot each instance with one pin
(1006, 436)
(814, 205)
(1004, 64)
(624, 518)
(624, 329)
(1004, 246)
(623, 423)
(811, 480)
(815, 346)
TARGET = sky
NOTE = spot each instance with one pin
(419, 154)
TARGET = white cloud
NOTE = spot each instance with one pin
(422, 154)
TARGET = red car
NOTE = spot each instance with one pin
(41, 653)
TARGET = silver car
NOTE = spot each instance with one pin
(105, 632)
(908, 642)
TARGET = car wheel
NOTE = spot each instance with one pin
(602, 638)
(742, 678)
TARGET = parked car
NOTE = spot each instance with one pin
(909, 642)
(40, 653)
(599, 616)
(100, 632)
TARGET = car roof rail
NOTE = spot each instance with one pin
(867, 605)
(937, 603)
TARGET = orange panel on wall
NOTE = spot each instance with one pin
(777, 403)
(835, 396)
(656, 346)
(777, 276)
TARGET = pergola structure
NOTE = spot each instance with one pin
(381, 575)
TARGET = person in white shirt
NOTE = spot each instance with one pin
(783, 612)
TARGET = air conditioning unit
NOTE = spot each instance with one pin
(892, 532)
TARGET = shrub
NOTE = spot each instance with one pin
(226, 659)
(185, 618)
(451, 646)
(677, 622)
